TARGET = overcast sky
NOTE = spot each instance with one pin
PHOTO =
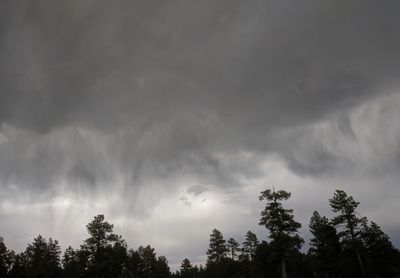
(169, 117)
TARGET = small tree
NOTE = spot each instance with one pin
(281, 224)
(186, 268)
(217, 248)
(233, 248)
(250, 245)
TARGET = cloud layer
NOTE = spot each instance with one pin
(188, 101)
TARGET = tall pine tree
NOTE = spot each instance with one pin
(217, 248)
(281, 224)
(349, 224)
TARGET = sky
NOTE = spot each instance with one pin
(170, 117)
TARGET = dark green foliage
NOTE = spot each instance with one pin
(233, 248)
(103, 253)
(187, 270)
(6, 259)
(19, 268)
(217, 249)
(250, 246)
(42, 258)
(324, 249)
(71, 263)
(145, 263)
(383, 259)
(281, 225)
(125, 273)
(349, 224)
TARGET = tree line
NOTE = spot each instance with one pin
(348, 245)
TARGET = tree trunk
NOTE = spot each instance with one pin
(284, 274)
(360, 263)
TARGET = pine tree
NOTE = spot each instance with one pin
(250, 245)
(281, 224)
(6, 259)
(43, 258)
(324, 246)
(384, 259)
(104, 252)
(70, 263)
(349, 223)
(217, 248)
(186, 269)
(147, 261)
(233, 248)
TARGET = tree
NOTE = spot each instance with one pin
(43, 258)
(147, 261)
(384, 259)
(281, 224)
(125, 273)
(6, 259)
(103, 252)
(217, 248)
(186, 269)
(349, 223)
(325, 245)
(233, 248)
(250, 245)
(162, 268)
(71, 263)
(19, 268)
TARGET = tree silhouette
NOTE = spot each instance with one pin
(384, 259)
(101, 252)
(349, 223)
(186, 269)
(281, 224)
(332, 253)
(6, 259)
(217, 248)
(324, 246)
(42, 258)
(233, 248)
(250, 245)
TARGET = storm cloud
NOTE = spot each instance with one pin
(194, 101)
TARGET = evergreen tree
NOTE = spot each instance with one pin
(162, 268)
(324, 246)
(19, 268)
(125, 273)
(103, 252)
(186, 269)
(6, 259)
(281, 225)
(349, 223)
(71, 264)
(147, 263)
(217, 248)
(250, 245)
(383, 258)
(233, 248)
(43, 258)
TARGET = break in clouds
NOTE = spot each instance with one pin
(166, 116)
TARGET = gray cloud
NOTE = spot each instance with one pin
(154, 97)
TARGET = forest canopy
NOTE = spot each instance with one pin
(347, 245)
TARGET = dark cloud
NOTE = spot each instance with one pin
(129, 96)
